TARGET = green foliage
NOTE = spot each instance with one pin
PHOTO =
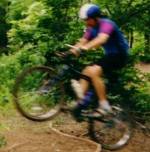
(2, 141)
(32, 37)
(127, 12)
(134, 89)
(3, 26)
(25, 31)
(140, 48)
(17, 8)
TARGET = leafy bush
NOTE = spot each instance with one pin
(140, 51)
(134, 88)
(2, 141)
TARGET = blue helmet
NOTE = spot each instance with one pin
(89, 11)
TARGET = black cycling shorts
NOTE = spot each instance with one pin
(113, 62)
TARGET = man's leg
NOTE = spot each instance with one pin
(95, 73)
(84, 85)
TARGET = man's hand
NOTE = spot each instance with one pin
(78, 51)
(80, 45)
(74, 52)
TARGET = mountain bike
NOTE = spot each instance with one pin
(35, 103)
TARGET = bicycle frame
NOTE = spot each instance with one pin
(67, 66)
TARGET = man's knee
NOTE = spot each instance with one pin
(93, 71)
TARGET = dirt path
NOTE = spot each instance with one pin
(138, 143)
(26, 136)
(143, 67)
(28, 141)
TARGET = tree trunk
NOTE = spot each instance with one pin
(147, 43)
(131, 38)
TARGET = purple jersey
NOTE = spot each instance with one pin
(116, 43)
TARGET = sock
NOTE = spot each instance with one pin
(77, 89)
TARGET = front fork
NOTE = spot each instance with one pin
(59, 76)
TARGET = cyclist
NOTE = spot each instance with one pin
(100, 32)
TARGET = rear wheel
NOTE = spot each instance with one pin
(30, 97)
(112, 133)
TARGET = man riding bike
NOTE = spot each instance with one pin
(100, 32)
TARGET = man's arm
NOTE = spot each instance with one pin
(82, 42)
(101, 39)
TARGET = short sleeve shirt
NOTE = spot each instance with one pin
(116, 42)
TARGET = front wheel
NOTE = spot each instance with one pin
(30, 99)
(113, 132)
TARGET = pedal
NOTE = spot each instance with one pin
(117, 108)
(88, 114)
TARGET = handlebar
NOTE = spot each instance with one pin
(71, 46)
(68, 53)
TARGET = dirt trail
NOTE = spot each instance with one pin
(139, 142)
(28, 141)
(143, 67)
(26, 136)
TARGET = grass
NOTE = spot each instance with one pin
(3, 141)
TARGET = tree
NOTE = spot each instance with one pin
(3, 25)
(125, 12)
